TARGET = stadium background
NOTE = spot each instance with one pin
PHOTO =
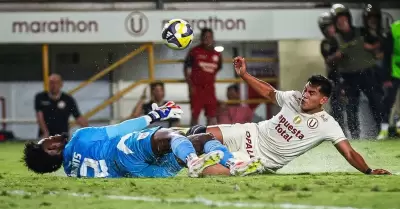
(285, 40)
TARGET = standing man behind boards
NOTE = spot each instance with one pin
(356, 62)
(234, 113)
(200, 69)
(374, 33)
(157, 89)
(392, 75)
(54, 108)
(328, 51)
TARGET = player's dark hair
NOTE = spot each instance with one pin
(235, 87)
(154, 84)
(38, 161)
(204, 31)
(324, 83)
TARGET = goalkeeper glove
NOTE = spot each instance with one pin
(168, 111)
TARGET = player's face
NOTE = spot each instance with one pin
(331, 30)
(232, 94)
(55, 84)
(312, 99)
(343, 23)
(158, 93)
(208, 39)
(372, 22)
(54, 145)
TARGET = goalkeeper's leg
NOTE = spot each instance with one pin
(185, 151)
(207, 143)
(236, 167)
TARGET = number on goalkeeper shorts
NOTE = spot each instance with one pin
(100, 169)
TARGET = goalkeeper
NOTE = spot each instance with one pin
(129, 150)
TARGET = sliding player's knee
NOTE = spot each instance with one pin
(200, 129)
(199, 140)
(197, 129)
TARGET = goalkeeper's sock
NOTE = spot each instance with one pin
(213, 145)
(183, 148)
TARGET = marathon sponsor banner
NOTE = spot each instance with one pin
(146, 26)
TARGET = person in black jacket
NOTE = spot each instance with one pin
(374, 34)
(355, 59)
(328, 50)
(54, 108)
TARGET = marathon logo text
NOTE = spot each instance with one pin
(286, 129)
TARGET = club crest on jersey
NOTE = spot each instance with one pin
(324, 118)
(297, 119)
(287, 130)
(312, 123)
(143, 135)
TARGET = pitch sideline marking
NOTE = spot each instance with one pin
(197, 200)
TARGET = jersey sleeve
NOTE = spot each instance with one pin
(74, 108)
(285, 97)
(325, 48)
(38, 105)
(128, 126)
(188, 60)
(334, 133)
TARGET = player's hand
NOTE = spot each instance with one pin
(165, 112)
(240, 65)
(380, 172)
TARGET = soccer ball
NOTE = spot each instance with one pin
(177, 34)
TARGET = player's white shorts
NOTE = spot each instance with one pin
(241, 139)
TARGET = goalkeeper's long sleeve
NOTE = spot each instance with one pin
(128, 126)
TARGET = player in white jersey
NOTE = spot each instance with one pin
(301, 125)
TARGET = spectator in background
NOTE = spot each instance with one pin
(355, 59)
(234, 113)
(392, 74)
(54, 108)
(157, 96)
(328, 50)
(200, 69)
(374, 34)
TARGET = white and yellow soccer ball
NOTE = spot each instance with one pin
(177, 34)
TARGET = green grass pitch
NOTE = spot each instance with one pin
(318, 178)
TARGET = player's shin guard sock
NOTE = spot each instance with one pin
(214, 145)
(183, 148)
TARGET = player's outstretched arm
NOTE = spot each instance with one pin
(356, 160)
(263, 88)
(165, 112)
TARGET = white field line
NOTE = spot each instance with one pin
(197, 200)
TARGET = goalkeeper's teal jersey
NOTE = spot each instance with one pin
(116, 151)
